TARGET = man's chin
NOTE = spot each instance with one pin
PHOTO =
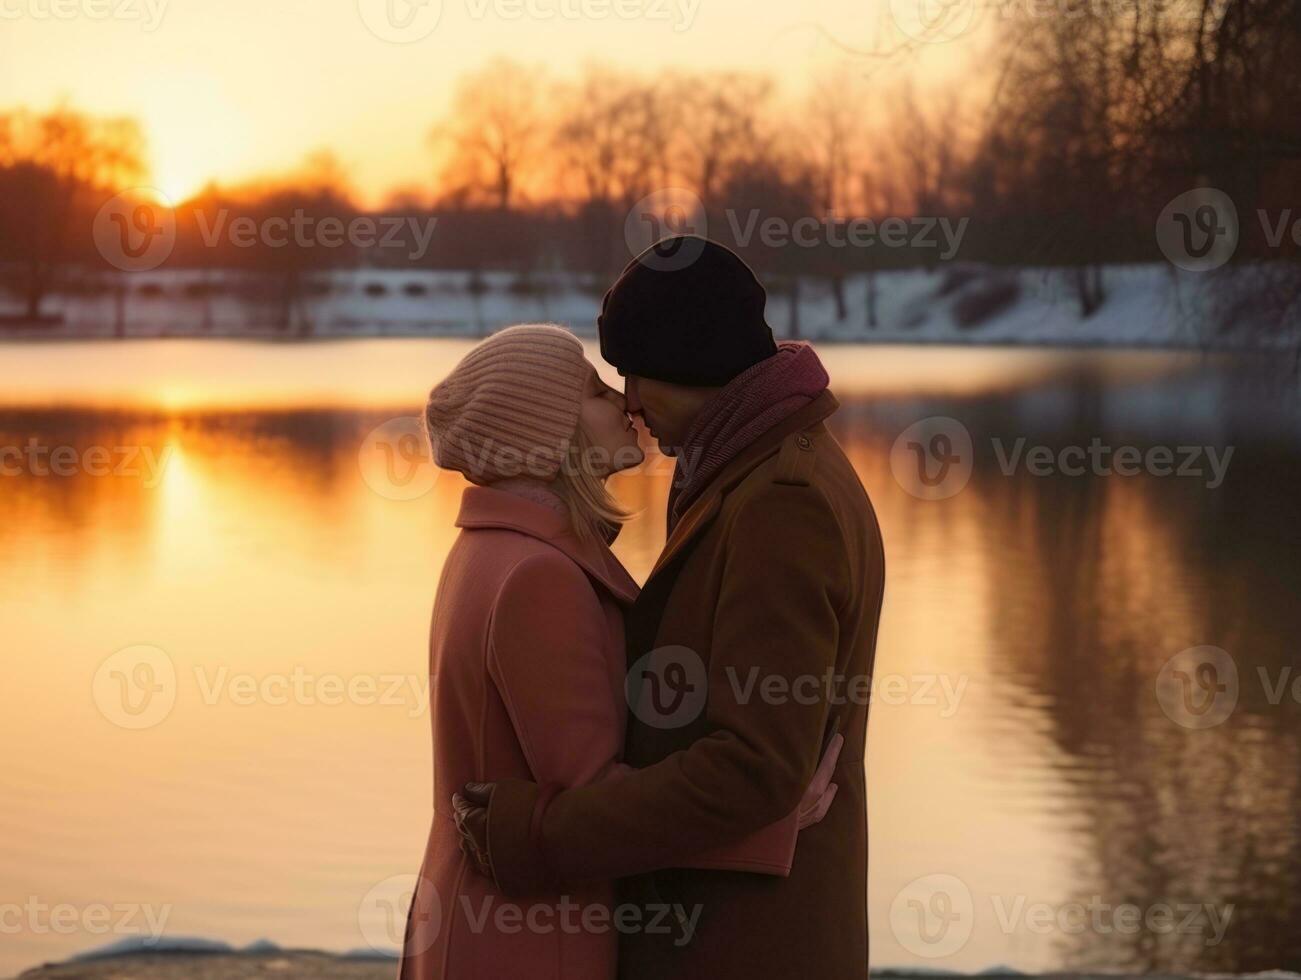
(664, 445)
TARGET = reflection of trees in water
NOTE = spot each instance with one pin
(1097, 582)
(90, 519)
(1129, 571)
(295, 467)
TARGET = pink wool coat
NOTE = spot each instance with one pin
(527, 666)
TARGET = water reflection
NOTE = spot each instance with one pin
(1050, 602)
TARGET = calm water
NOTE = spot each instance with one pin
(230, 520)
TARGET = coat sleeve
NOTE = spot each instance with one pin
(775, 627)
(548, 657)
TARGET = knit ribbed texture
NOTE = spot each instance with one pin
(510, 407)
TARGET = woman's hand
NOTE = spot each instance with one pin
(470, 810)
(817, 798)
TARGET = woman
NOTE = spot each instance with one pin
(527, 650)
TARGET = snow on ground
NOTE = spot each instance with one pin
(1146, 305)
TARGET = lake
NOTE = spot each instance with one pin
(1085, 747)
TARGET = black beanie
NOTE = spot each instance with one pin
(688, 311)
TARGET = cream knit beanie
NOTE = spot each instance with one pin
(510, 407)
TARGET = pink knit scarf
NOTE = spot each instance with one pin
(748, 406)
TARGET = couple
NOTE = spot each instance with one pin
(639, 783)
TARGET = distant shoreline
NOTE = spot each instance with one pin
(1146, 306)
(1065, 343)
(232, 964)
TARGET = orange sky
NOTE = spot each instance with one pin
(237, 88)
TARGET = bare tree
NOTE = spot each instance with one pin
(493, 132)
(53, 167)
(723, 121)
(831, 125)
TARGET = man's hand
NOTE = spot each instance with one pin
(470, 809)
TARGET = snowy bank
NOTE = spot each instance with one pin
(1151, 305)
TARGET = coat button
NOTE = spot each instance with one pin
(804, 442)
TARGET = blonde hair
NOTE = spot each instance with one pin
(593, 510)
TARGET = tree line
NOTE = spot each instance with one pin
(1073, 130)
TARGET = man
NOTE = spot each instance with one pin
(761, 614)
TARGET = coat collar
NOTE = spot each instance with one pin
(486, 507)
(710, 501)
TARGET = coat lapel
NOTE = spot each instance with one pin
(706, 507)
(486, 507)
